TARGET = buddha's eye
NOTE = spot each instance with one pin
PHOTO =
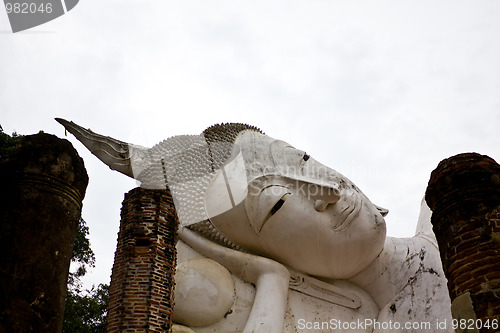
(260, 208)
(291, 157)
(278, 205)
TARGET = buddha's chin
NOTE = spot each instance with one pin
(342, 262)
(339, 271)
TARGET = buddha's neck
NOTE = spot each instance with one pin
(389, 273)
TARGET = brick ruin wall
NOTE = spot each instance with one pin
(142, 281)
(464, 195)
(473, 264)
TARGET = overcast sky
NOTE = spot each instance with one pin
(381, 91)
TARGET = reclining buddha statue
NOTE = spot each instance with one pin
(271, 240)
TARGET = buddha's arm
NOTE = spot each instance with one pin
(269, 277)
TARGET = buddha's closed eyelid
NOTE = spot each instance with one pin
(261, 207)
(294, 155)
(278, 205)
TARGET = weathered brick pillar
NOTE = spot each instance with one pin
(142, 281)
(43, 183)
(464, 195)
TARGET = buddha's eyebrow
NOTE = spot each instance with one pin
(273, 185)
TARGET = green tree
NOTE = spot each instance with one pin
(82, 255)
(84, 311)
(8, 143)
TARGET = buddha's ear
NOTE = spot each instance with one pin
(228, 188)
(382, 211)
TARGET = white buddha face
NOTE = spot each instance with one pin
(297, 211)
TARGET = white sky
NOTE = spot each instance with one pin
(379, 90)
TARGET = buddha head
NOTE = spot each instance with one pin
(274, 200)
(238, 187)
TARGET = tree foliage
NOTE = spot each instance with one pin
(82, 254)
(8, 143)
(84, 311)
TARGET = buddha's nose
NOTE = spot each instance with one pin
(330, 196)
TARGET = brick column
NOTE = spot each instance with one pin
(142, 281)
(464, 195)
(43, 183)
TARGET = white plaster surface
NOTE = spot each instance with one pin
(204, 292)
(408, 287)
